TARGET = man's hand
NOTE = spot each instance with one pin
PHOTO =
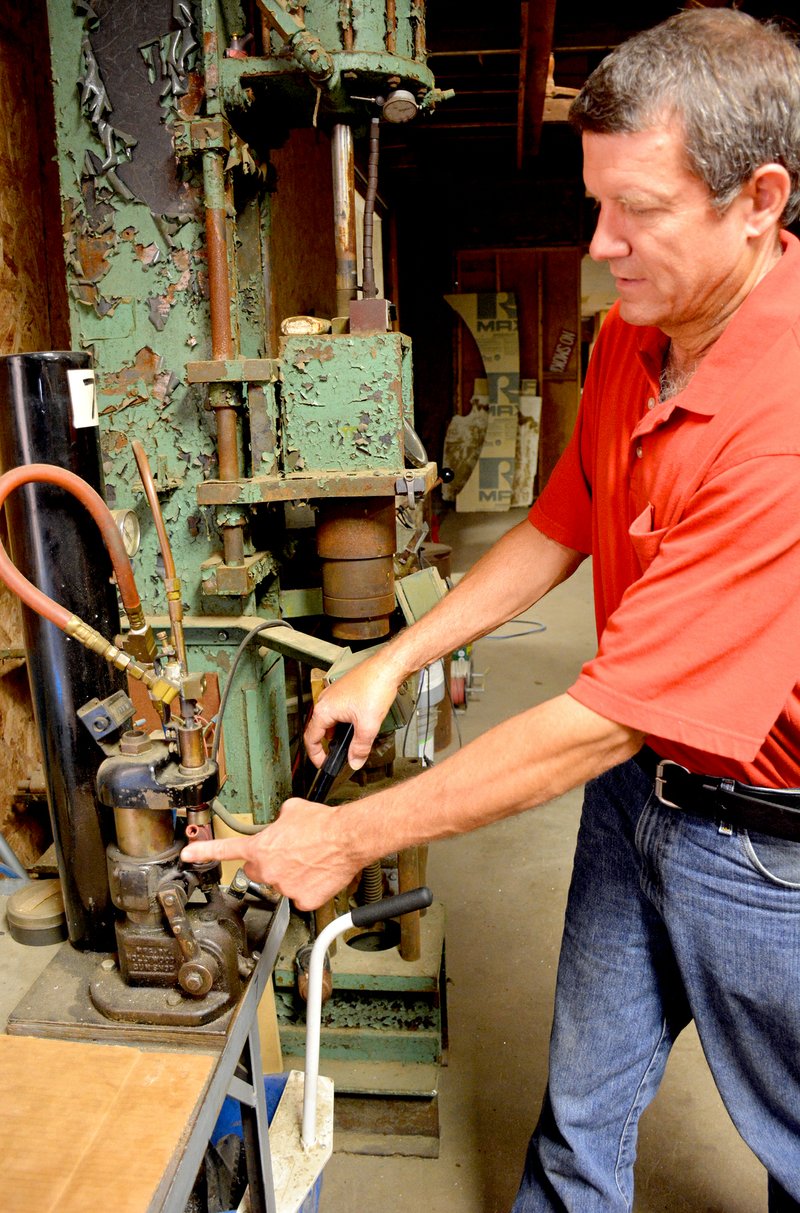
(301, 854)
(362, 697)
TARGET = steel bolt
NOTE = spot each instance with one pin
(193, 982)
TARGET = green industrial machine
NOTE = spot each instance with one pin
(167, 112)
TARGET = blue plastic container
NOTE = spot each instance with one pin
(230, 1121)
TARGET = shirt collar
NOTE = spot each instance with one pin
(769, 310)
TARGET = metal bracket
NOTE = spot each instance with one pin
(410, 485)
(235, 580)
(234, 370)
(201, 135)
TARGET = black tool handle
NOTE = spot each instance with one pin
(392, 907)
(334, 761)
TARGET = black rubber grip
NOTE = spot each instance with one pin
(392, 907)
(334, 761)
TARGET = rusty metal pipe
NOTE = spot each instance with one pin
(222, 344)
(391, 26)
(233, 544)
(217, 255)
(344, 216)
(369, 289)
(408, 878)
(420, 40)
(346, 22)
(227, 433)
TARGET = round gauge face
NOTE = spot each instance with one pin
(128, 523)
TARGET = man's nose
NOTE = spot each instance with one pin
(609, 241)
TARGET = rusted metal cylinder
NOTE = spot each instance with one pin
(142, 833)
(356, 540)
(408, 878)
(227, 436)
(391, 26)
(344, 216)
(222, 345)
(233, 545)
(192, 747)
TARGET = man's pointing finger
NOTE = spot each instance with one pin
(217, 848)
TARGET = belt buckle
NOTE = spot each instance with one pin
(660, 778)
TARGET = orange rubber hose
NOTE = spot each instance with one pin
(49, 474)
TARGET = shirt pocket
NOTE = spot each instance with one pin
(645, 538)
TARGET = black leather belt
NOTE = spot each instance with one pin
(726, 801)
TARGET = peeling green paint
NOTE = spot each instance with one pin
(138, 289)
(344, 401)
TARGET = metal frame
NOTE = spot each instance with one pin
(238, 1073)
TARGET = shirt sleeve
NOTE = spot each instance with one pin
(704, 649)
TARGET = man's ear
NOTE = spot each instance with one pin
(768, 189)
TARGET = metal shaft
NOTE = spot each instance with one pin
(344, 216)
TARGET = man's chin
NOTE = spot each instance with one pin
(637, 312)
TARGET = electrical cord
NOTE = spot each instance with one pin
(234, 823)
(260, 627)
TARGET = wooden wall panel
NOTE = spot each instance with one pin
(302, 267)
(560, 378)
(33, 316)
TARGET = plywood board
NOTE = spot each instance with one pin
(87, 1128)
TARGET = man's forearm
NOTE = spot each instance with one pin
(312, 851)
(523, 762)
(515, 573)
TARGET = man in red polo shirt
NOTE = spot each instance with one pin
(683, 482)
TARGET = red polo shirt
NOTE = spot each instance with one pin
(690, 509)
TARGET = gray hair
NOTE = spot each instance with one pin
(731, 81)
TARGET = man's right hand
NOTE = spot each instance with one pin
(361, 697)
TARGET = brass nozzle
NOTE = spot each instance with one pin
(160, 688)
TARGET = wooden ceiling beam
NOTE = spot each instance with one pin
(536, 41)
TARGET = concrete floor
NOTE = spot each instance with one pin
(504, 890)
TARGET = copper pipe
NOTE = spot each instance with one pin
(171, 580)
(391, 26)
(222, 345)
(344, 216)
(217, 255)
(146, 477)
(408, 878)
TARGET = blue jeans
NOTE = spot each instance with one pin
(668, 919)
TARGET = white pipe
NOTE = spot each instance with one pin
(313, 1017)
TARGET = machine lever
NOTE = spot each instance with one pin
(172, 903)
(334, 761)
(392, 907)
